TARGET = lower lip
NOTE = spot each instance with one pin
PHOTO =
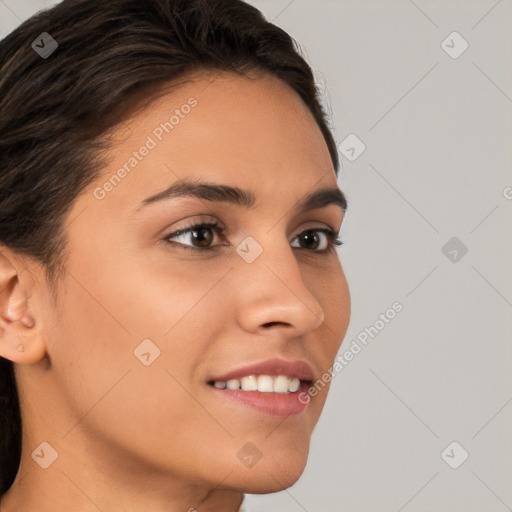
(273, 404)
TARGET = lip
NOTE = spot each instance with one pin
(270, 404)
(271, 367)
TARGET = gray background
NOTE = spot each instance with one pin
(437, 163)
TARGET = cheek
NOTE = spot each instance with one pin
(123, 318)
(88, 348)
(109, 392)
(158, 296)
(339, 305)
(330, 288)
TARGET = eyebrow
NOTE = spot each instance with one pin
(216, 192)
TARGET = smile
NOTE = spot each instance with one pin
(261, 383)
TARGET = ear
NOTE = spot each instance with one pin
(20, 323)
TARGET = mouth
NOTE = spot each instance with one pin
(274, 387)
(281, 384)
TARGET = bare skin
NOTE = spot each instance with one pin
(132, 437)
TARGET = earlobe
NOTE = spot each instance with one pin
(20, 334)
(20, 347)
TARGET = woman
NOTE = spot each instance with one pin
(171, 292)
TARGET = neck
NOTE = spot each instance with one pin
(80, 490)
(216, 503)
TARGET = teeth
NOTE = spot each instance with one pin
(281, 384)
(294, 385)
(249, 383)
(233, 384)
(265, 384)
(261, 383)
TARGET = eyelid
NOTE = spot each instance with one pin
(196, 220)
(219, 226)
(314, 225)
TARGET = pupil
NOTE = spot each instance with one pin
(204, 241)
(312, 237)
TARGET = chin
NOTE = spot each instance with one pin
(274, 473)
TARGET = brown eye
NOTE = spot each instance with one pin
(200, 236)
(310, 240)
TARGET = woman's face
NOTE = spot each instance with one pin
(145, 323)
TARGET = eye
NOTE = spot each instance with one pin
(200, 233)
(201, 236)
(328, 241)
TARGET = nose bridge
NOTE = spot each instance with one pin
(275, 291)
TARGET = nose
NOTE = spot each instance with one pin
(273, 295)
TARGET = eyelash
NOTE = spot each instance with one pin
(332, 239)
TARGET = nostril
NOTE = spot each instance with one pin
(271, 324)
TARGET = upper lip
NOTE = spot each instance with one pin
(272, 367)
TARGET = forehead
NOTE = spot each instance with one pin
(250, 131)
